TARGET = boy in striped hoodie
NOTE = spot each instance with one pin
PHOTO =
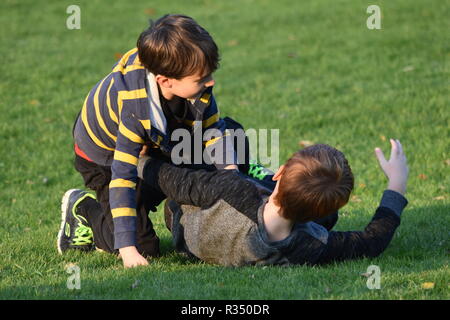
(162, 85)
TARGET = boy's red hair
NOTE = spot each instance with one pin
(316, 182)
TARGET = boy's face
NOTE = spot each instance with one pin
(191, 86)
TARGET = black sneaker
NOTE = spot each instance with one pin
(74, 232)
(261, 174)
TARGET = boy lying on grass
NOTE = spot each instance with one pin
(225, 217)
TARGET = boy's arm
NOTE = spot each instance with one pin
(200, 188)
(373, 240)
(122, 193)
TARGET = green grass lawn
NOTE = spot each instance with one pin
(309, 68)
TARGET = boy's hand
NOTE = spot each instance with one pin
(143, 151)
(396, 169)
(131, 257)
(231, 167)
(226, 167)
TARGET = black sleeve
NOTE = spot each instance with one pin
(368, 243)
(202, 188)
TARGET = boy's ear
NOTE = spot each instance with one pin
(278, 174)
(163, 81)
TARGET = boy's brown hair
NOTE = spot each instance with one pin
(316, 182)
(175, 46)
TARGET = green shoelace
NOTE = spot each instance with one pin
(257, 171)
(83, 235)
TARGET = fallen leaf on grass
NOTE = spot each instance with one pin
(362, 185)
(305, 143)
(34, 102)
(355, 199)
(118, 55)
(232, 43)
(447, 162)
(383, 138)
(408, 69)
(422, 176)
(428, 285)
(150, 11)
(439, 198)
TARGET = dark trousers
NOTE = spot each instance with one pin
(98, 213)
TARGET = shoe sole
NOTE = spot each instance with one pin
(64, 205)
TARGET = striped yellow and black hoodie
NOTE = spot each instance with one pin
(121, 113)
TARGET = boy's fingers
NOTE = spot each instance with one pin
(400, 147)
(380, 156)
(394, 148)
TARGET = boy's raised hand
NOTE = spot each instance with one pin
(396, 169)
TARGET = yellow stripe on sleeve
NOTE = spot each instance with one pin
(130, 134)
(125, 157)
(128, 95)
(137, 61)
(123, 212)
(213, 119)
(146, 124)
(120, 65)
(127, 69)
(205, 98)
(88, 128)
(205, 123)
(112, 115)
(98, 115)
(122, 183)
(212, 141)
